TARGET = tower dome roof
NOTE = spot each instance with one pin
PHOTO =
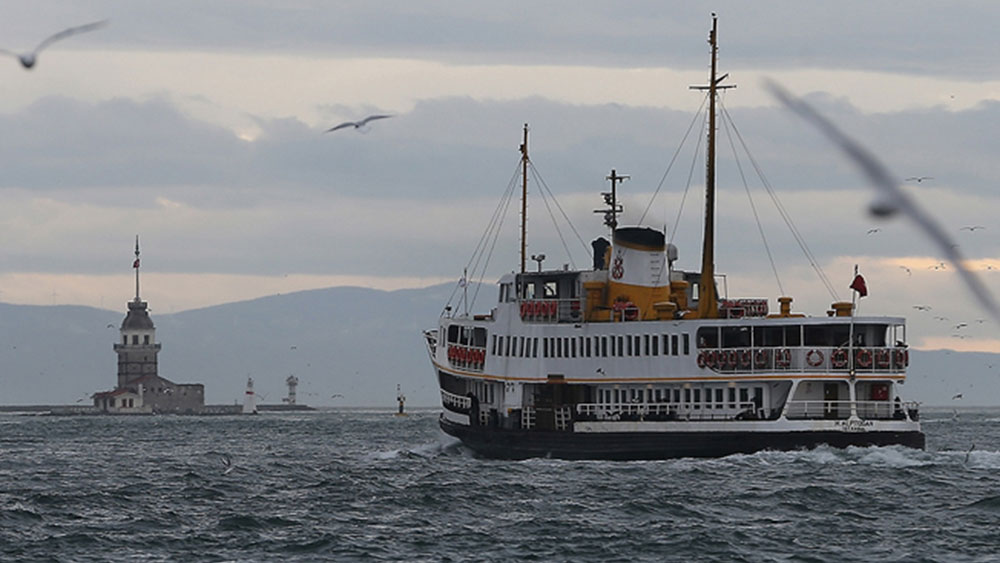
(137, 317)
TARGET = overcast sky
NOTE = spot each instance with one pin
(200, 127)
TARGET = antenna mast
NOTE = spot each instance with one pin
(611, 200)
(708, 301)
(524, 197)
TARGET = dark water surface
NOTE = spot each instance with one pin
(365, 485)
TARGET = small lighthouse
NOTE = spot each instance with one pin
(249, 399)
(293, 383)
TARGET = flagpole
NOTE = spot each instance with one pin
(136, 264)
(852, 391)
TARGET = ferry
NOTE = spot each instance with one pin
(636, 359)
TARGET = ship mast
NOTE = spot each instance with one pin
(524, 196)
(708, 301)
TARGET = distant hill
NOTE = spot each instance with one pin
(355, 342)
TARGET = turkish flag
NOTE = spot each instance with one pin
(859, 285)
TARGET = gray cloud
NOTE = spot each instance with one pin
(921, 37)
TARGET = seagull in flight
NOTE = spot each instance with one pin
(227, 464)
(357, 124)
(873, 231)
(890, 199)
(972, 228)
(29, 59)
(908, 272)
(922, 307)
(957, 397)
(918, 179)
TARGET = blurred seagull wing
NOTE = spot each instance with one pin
(342, 125)
(372, 118)
(70, 31)
(880, 178)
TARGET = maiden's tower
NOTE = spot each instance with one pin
(140, 388)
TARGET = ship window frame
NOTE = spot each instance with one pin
(534, 347)
(686, 338)
(734, 337)
(621, 345)
(628, 346)
(479, 337)
(587, 345)
(655, 341)
(550, 289)
(673, 345)
(637, 348)
(604, 346)
(572, 347)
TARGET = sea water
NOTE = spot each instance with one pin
(364, 485)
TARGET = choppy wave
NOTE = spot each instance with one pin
(347, 485)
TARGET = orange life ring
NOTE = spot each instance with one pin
(711, 358)
(864, 358)
(782, 357)
(903, 358)
(761, 357)
(838, 358)
(631, 311)
(814, 358)
(525, 309)
(553, 308)
(744, 358)
(882, 357)
(731, 359)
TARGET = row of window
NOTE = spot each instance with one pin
(135, 339)
(709, 397)
(592, 346)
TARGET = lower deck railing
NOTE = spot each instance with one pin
(669, 411)
(871, 410)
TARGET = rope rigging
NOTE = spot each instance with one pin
(784, 214)
(727, 125)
